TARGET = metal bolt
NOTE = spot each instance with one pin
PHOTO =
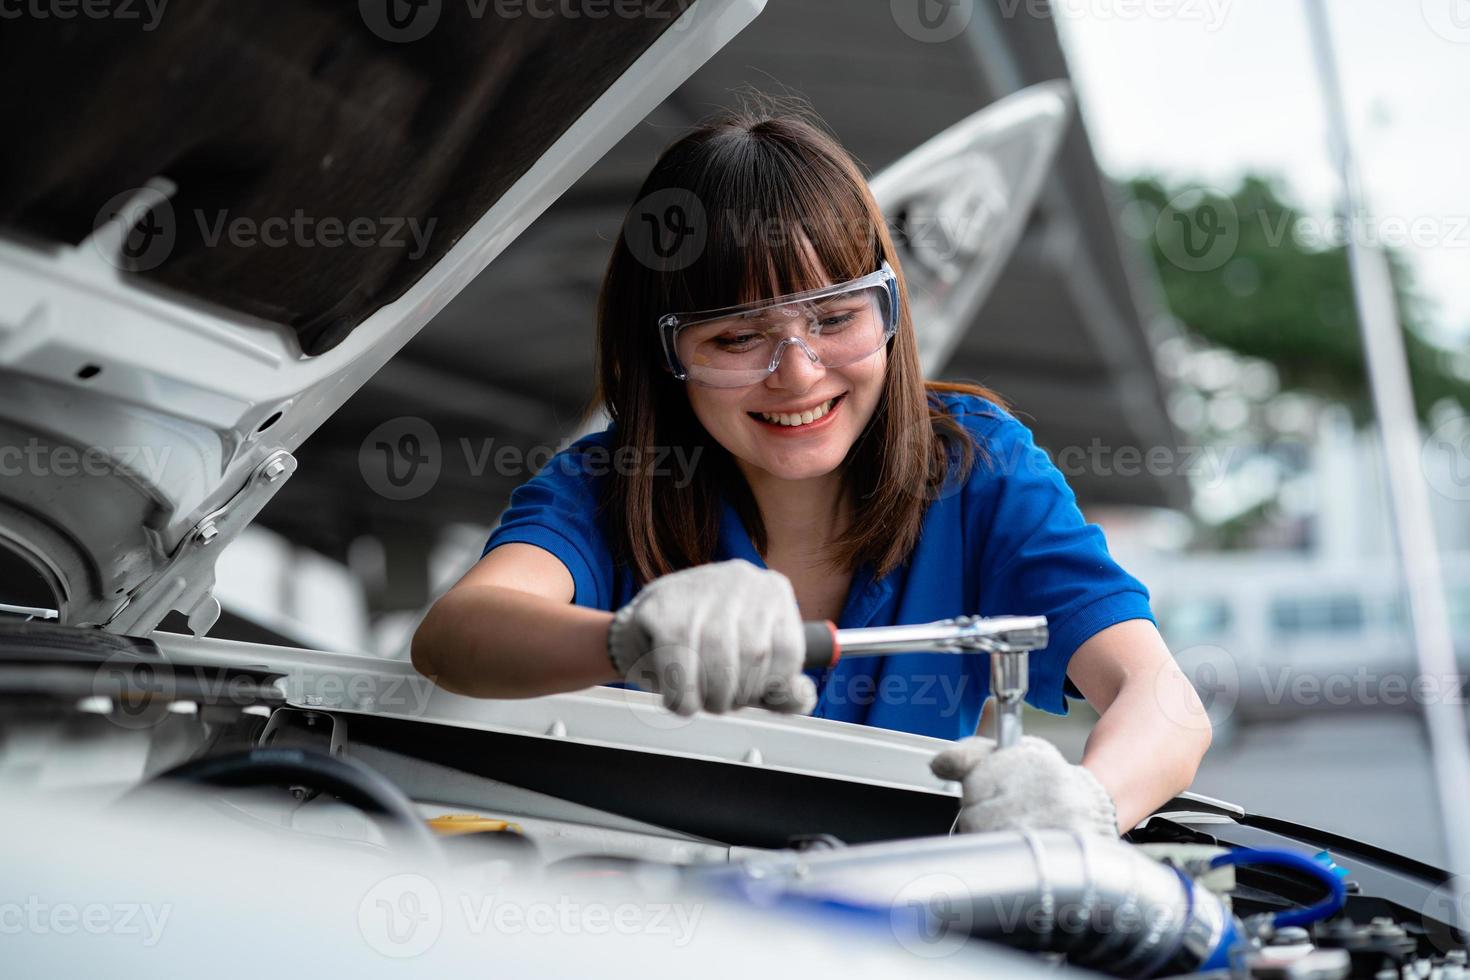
(1384, 926)
(207, 532)
(274, 470)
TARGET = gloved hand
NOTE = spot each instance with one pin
(1024, 786)
(716, 636)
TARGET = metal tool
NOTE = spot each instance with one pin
(1008, 640)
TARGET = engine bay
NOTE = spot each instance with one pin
(247, 745)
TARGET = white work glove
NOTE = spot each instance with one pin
(718, 636)
(1024, 786)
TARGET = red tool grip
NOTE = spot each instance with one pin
(822, 648)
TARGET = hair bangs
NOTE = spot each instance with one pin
(778, 219)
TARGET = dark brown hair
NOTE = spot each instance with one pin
(752, 187)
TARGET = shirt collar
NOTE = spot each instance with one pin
(863, 599)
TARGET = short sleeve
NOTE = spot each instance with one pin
(1039, 556)
(558, 510)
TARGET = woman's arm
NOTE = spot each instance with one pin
(1153, 732)
(508, 629)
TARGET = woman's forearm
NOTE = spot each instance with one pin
(1141, 754)
(490, 641)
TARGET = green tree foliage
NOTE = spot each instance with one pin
(1271, 291)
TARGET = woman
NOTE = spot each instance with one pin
(753, 324)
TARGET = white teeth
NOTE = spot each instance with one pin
(800, 418)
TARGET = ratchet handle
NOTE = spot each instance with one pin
(822, 648)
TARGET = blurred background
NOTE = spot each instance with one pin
(1176, 325)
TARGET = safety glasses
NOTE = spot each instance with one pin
(737, 346)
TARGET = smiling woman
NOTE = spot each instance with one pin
(789, 229)
(833, 483)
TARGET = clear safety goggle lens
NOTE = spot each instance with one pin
(741, 349)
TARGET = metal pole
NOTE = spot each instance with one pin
(1393, 402)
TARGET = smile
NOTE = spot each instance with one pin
(798, 420)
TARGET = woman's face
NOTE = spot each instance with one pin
(736, 417)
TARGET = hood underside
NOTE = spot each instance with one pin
(294, 120)
(222, 219)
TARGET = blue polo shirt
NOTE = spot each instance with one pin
(1007, 540)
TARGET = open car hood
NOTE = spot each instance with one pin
(181, 303)
(182, 300)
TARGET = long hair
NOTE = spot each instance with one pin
(742, 195)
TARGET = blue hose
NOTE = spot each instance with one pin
(1290, 859)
